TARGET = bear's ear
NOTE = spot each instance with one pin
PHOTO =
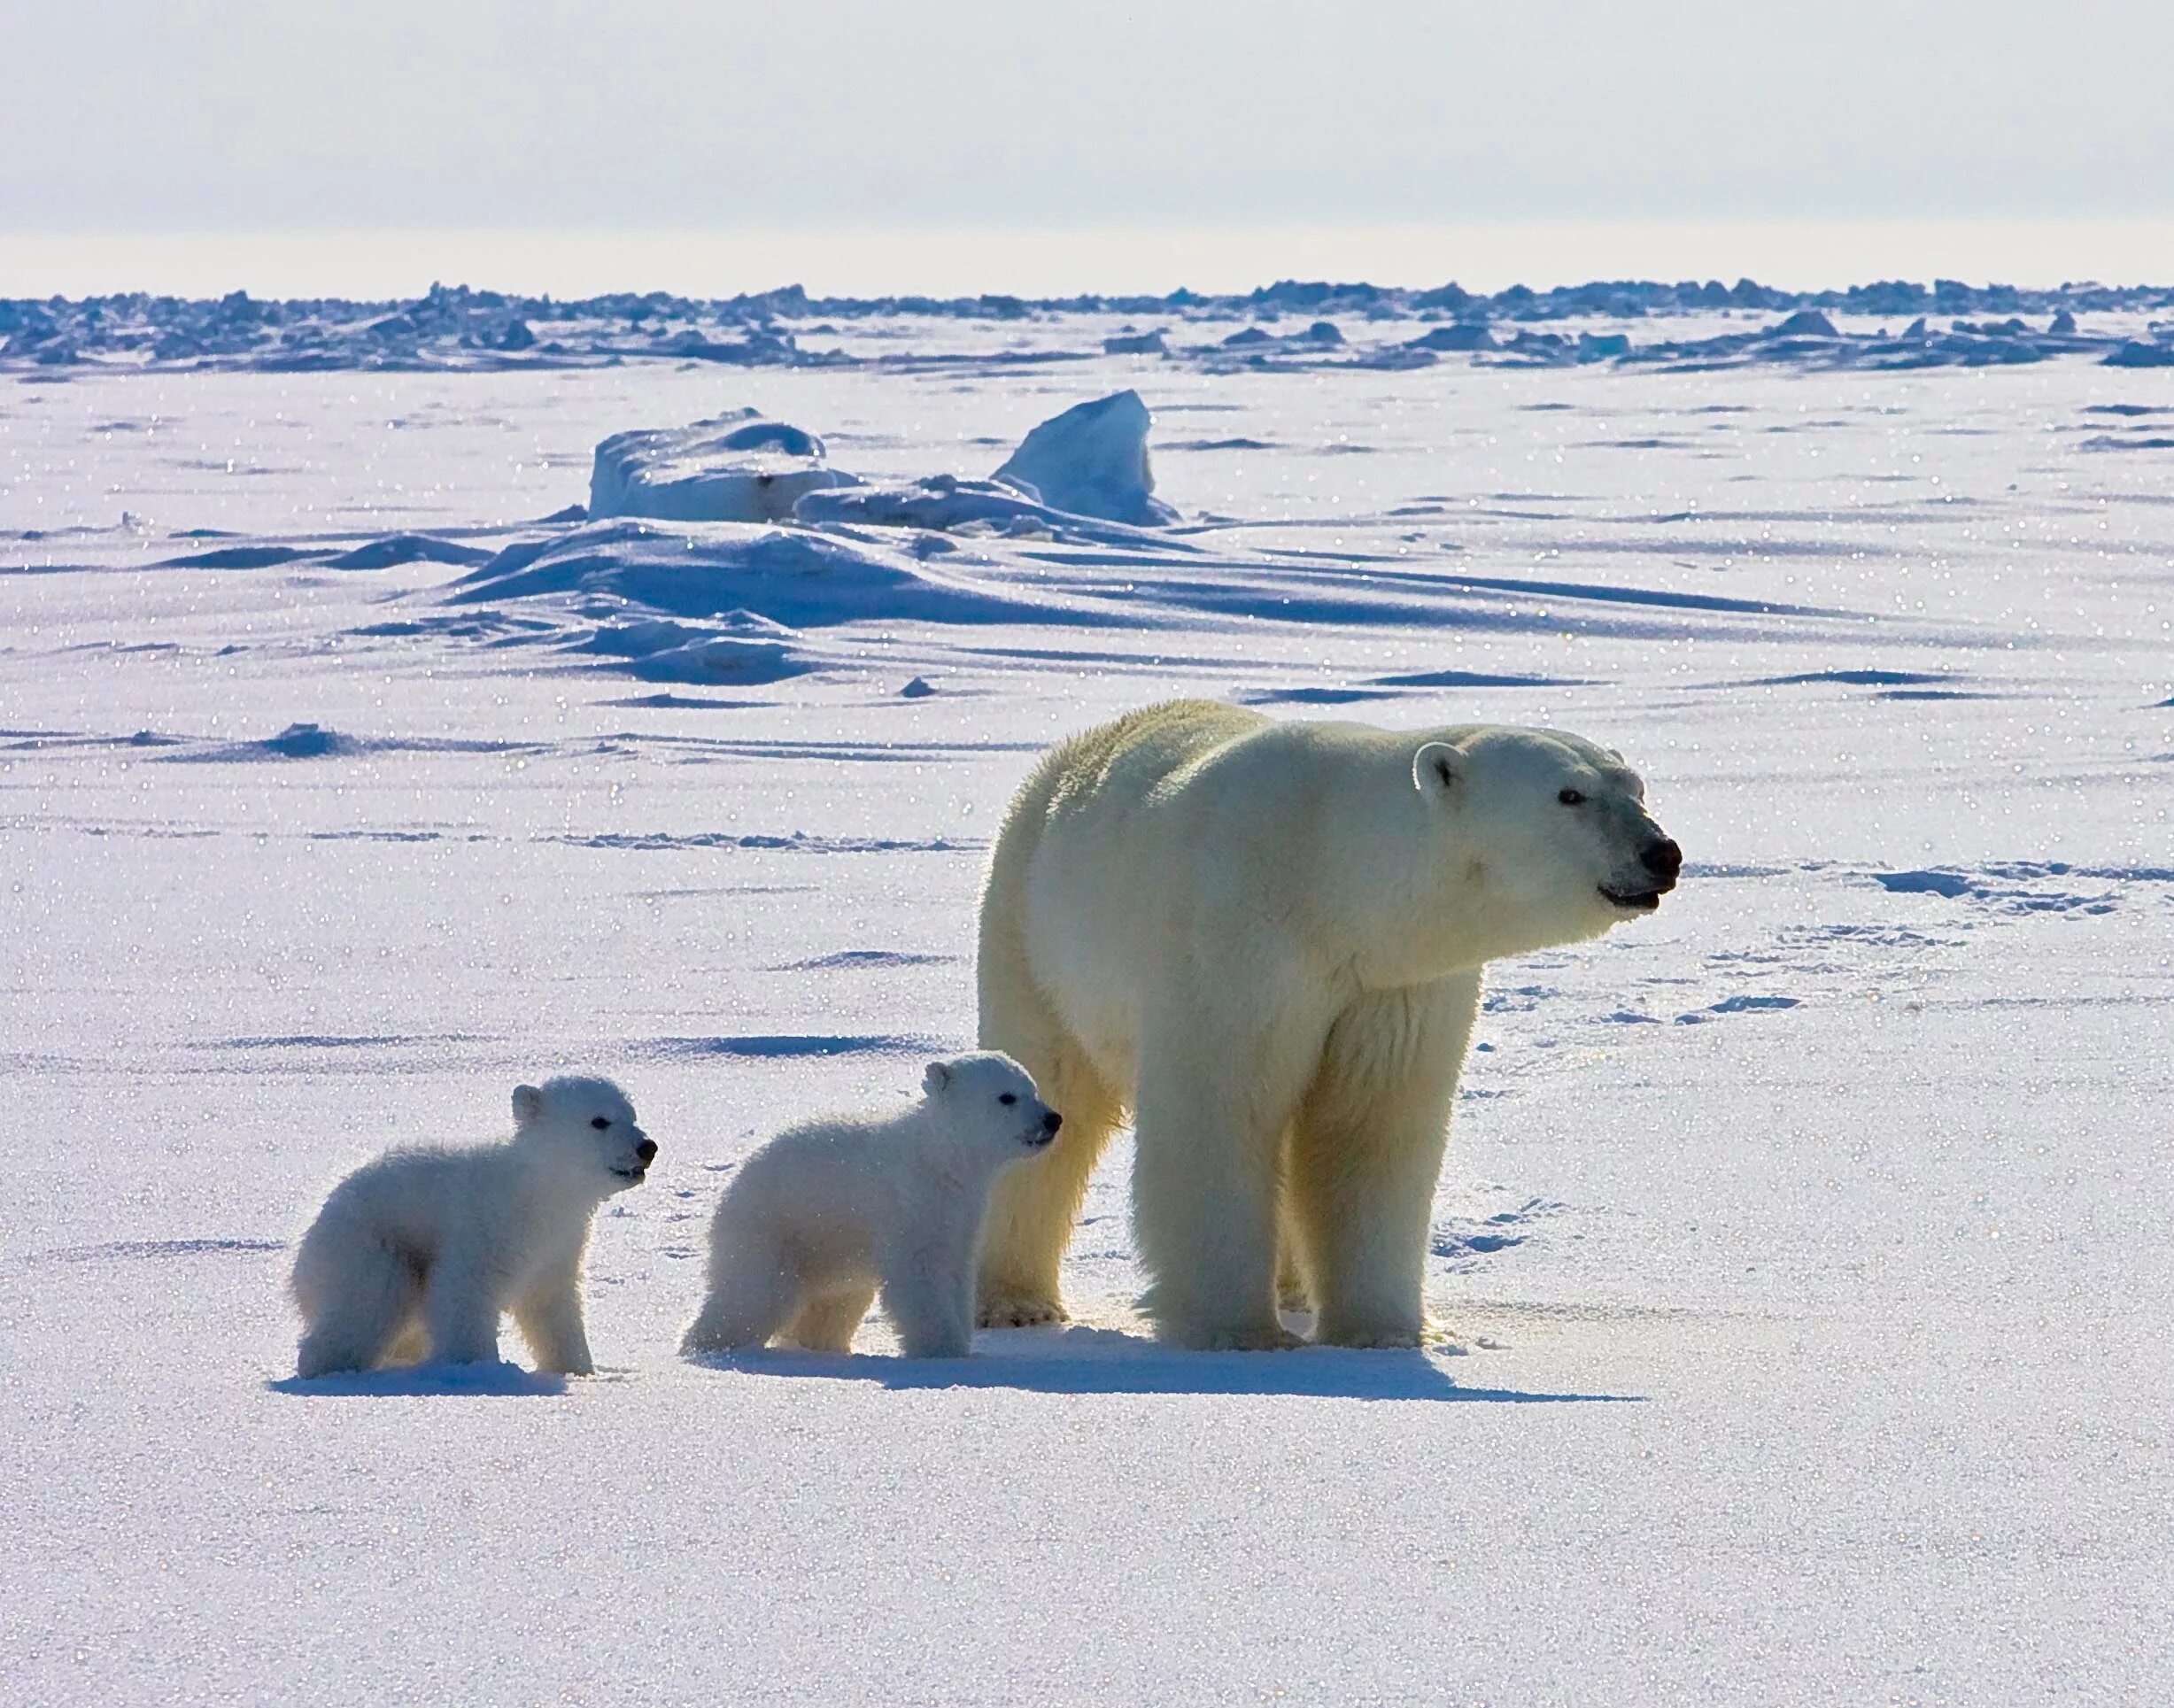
(936, 1078)
(1436, 768)
(528, 1104)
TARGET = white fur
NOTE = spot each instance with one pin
(415, 1256)
(826, 1214)
(1265, 939)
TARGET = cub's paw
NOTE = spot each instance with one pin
(1009, 1309)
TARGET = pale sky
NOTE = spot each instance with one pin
(183, 115)
(1229, 142)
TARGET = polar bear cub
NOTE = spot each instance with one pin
(827, 1214)
(416, 1254)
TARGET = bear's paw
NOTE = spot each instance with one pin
(1010, 1310)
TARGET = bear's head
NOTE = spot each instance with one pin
(584, 1129)
(989, 1102)
(1544, 836)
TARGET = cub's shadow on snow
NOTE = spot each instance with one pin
(499, 1381)
(1083, 1360)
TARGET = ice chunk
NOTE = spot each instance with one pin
(737, 468)
(1462, 335)
(1092, 461)
(1805, 323)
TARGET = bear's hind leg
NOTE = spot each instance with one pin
(752, 1295)
(410, 1344)
(826, 1322)
(1291, 1293)
(1366, 1157)
(356, 1302)
(1034, 1204)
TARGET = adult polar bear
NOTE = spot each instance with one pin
(1265, 939)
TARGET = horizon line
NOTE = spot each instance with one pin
(864, 262)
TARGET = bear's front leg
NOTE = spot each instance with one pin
(460, 1308)
(1208, 1126)
(928, 1294)
(1367, 1152)
(550, 1319)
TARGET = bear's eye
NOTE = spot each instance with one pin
(1571, 797)
(1008, 1098)
(601, 1123)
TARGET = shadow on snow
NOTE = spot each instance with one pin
(1082, 1360)
(495, 1381)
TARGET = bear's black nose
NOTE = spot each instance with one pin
(647, 1150)
(1052, 1121)
(1663, 858)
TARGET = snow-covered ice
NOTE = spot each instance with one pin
(1805, 1253)
(738, 468)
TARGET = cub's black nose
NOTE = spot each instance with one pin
(1052, 1121)
(647, 1150)
(1663, 858)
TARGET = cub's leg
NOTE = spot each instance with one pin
(752, 1295)
(411, 1345)
(460, 1308)
(826, 1322)
(929, 1296)
(550, 1318)
(356, 1296)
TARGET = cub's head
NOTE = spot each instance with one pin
(586, 1128)
(1545, 832)
(990, 1100)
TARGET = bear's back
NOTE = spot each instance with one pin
(409, 1197)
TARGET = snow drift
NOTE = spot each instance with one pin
(945, 504)
(741, 653)
(798, 578)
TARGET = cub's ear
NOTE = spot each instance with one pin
(1437, 768)
(528, 1104)
(936, 1078)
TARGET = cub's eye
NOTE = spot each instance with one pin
(1008, 1098)
(601, 1123)
(1571, 797)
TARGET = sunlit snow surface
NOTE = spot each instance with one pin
(1806, 1253)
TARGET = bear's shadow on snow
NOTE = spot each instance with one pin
(1083, 1360)
(499, 1381)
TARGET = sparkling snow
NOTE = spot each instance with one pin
(1804, 1253)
